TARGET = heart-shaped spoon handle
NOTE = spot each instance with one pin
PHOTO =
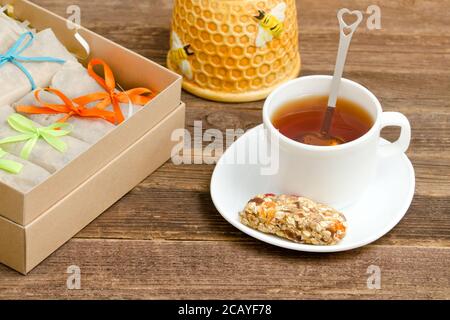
(346, 34)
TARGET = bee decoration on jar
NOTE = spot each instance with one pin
(179, 54)
(270, 24)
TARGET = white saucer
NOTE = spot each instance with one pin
(375, 214)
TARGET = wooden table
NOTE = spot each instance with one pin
(166, 240)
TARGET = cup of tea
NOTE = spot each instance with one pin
(336, 175)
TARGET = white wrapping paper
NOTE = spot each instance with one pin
(30, 176)
(43, 154)
(14, 84)
(89, 130)
(10, 31)
(74, 81)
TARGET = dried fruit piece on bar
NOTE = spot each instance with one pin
(295, 218)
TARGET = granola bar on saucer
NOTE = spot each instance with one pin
(295, 218)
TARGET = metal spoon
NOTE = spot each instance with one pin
(324, 138)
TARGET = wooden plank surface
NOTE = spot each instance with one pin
(230, 269)
(166, 240)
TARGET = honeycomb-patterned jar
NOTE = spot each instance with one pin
(233, 50)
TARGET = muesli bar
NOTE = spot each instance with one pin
(295, 218)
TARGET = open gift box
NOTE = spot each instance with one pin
(35, 224)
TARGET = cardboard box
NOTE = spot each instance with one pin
(131, 70)
(24, 247)
(35, 224)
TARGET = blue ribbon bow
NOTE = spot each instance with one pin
(13, 56)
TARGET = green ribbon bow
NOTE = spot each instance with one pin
(31, 134)
(9, 165)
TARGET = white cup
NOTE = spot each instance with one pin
(333, 175)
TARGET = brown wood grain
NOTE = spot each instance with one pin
(229, 269)
(165, 239)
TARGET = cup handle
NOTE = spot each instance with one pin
(401, 145)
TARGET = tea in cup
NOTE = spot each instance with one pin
(335, 175)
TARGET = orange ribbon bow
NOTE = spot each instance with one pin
(137, 96)
(67, 107)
